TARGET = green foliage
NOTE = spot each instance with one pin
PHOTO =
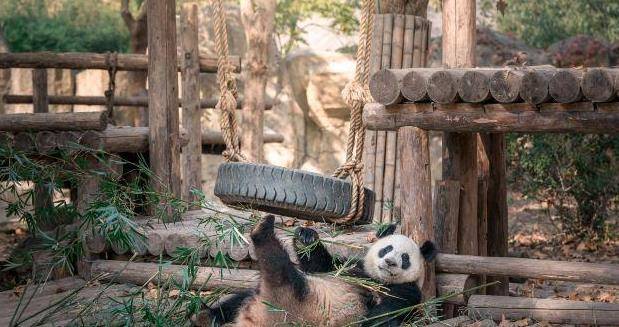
(575, 174)
(62, 26)
(542, 23)
(290, 13)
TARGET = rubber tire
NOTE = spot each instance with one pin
(288, 192)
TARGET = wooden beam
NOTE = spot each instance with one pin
(547, 310)
(70, 121)
(192, 152)
(529, 268)
(460, 149)
(163, 117)
(134, 101)
(493, 118)
(258, 18)
(82, 60)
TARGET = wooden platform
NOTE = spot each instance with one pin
(581, 117)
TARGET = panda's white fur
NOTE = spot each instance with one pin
(377, 267)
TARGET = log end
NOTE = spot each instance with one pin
(414, 87)
(534, 88)
(564, 86)
(384, 87)
(598, 85)
(443, 87)
(505, 86)
(474, 87)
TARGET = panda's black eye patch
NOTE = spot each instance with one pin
(384, 251)
(406, 262)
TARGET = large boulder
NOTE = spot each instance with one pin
(316, 80)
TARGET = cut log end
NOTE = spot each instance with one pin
(505, 86)
(474, 86)
(598, 85)
(384, 87)
(535, 88)
(443, 87)
(414, 86)
(564, 86)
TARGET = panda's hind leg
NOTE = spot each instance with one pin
(276, 269)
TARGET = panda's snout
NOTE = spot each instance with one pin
(390, 262)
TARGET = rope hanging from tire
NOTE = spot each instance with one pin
(288, 191)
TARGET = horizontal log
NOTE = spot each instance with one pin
(82, 60)
(207, 278)
(69, 121)
(491, 118)
(443, 86)
(50, 287)
(135, 101)
(547, 310)
(529, 268)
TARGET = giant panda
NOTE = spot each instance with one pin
(309, 297)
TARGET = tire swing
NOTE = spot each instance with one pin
(292, 192)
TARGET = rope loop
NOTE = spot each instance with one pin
(354, 92)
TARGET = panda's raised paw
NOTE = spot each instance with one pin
(306, 235)
(263, 229)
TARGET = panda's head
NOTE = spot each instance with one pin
(397, 259)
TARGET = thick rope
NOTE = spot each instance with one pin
(111, 61)
(356, 94)
(227, 87)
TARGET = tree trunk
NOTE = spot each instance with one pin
(258, 17)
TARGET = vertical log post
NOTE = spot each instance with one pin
(257, 17)
(192, 152)
(164, 144)
(43, 200)
(416, 194)
(460, 149)
(494, 144)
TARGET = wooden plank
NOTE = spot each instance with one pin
(164, 144)
(83, 60)
(547, 310)
(70, 121)
(409, 37)
(416, 194)
(192, 152)
(529, 268)
(380, 118)
(446, 204)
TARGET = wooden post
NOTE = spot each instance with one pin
(494, 144)
(43, 200)
(257, 17)
(164, 148)
(192, 152)
(416, 194)
(460, 149)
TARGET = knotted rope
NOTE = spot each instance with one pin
(356, 94)
(111, 61)
(227, 87)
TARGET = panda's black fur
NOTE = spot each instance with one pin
(312, 298)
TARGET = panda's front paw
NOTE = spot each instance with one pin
(204, 318)
(264, 230)
(306, 236)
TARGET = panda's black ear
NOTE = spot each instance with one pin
(428, 251)
(385, 230)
